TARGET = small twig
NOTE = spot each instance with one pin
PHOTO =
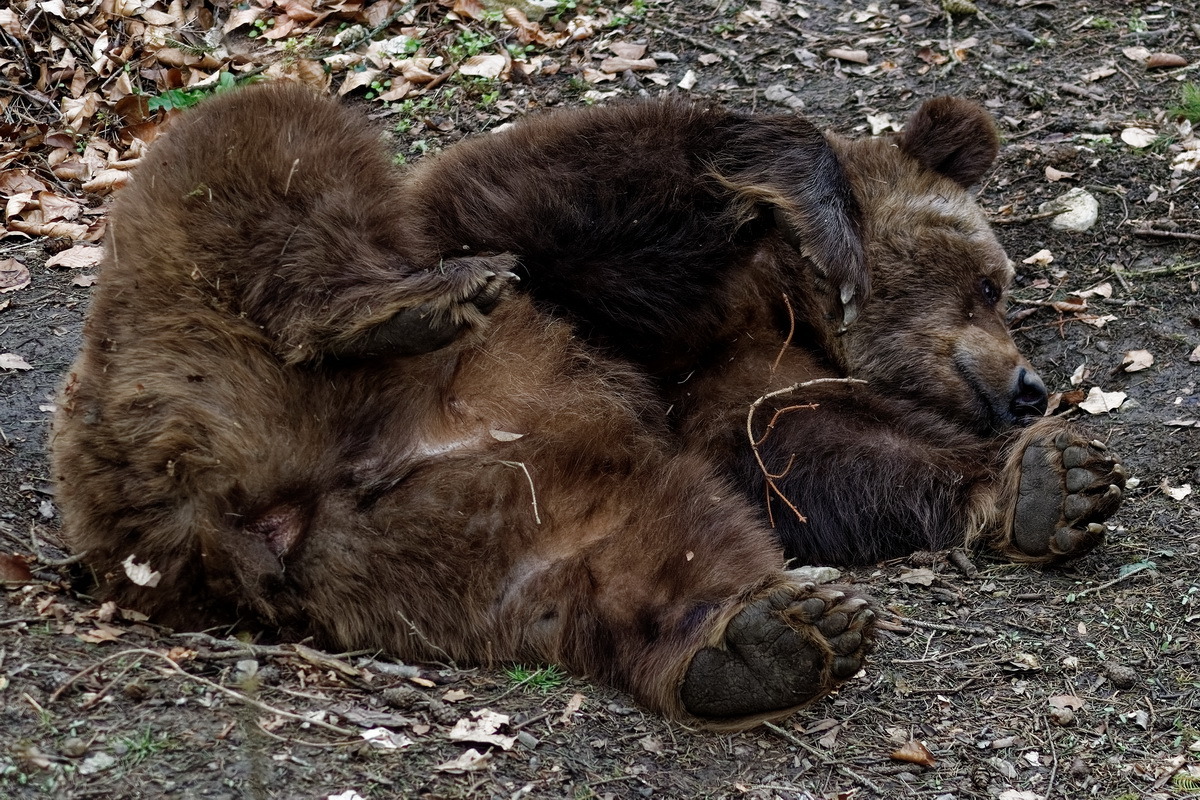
(536, 516)
(1053, 759)
(846, 771)
(1174, 269)
(941, 626)
(1052, 212)
(1161, 234)
(732, 55)
(755, 443)
(174, 666)
(1114, 581)
(1116, 271)
(4, 623)
(63, 562)
(305, 742)
(787, 342)
(412, 626)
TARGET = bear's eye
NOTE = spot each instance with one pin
(990, 291)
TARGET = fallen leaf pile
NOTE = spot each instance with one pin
(91, 84)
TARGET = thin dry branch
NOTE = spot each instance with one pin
(174, 666)
(770, 479)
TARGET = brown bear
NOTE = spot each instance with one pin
(280, 412)
(681, 238)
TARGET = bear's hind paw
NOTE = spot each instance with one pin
(780, 652)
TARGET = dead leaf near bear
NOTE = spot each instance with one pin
(274, 400)
(682, 238)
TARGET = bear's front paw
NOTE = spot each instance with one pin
(473, 287)
(779, 652)
(1068, 486)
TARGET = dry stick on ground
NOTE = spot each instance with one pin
(174, 666)
(1161, 234)
(1174, 269)
(1114, 581)
(732, 56)
(849, 773)
(941, 626)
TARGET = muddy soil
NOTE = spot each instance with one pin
(1003, 682)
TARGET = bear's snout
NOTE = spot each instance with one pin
(1029, 397)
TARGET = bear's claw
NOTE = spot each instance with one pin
(1068, 486)
(779, 652)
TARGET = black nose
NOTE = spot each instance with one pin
(1029, 395)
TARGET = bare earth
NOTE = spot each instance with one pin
(1001, 682)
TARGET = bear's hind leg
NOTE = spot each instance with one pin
(778, 652)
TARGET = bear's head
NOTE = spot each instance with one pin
(934, 329)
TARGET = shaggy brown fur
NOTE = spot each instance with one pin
(729, 309)
(480, 489)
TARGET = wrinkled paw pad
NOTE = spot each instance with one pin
(1068, 486)
(786, 649)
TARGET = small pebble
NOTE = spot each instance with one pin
(74, 747)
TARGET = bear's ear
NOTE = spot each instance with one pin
(954, 137)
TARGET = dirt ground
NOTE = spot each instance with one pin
(1003, 682)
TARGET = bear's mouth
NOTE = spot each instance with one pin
(993, 411)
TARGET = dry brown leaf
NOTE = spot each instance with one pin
(14, 568)
(1098, 74)
(470, 761)
(482, 729)
(491, 65)
(83, 280)
(56, 207)
(1101, 402)
(573, 705)
(1137, 360)
(1136, 53)
(1138, 137)
(469, 9)
(914, 752)
(1165, 61)
(627, 50)
(106, 181)
(618, 65)
(13, 275)
(357, 80)
(1067, 701)
(101, 633)
(240, 17)
(651, 744)
(921, 576)
(1053, 175)
(55, 230)
(10, 24)
(1042, 258)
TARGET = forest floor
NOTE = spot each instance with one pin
(1006, 682)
